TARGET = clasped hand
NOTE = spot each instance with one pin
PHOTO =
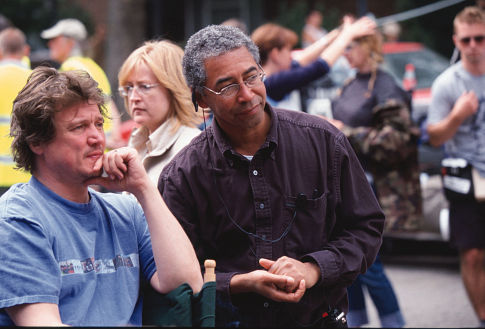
(283, 280)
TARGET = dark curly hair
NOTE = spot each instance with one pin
(47, 92)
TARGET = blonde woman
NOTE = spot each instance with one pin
(159, 101)
(373, 112)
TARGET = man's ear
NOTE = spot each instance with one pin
(70, 43)
(274, 55)
(26, 51)
(199, 99)
(455, 40)
(38, 149)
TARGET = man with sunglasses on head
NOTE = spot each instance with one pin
(456, 119)
(278, 198)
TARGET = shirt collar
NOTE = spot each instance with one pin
(268, 147)
(159, 141)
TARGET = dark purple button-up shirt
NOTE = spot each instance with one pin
(303, 195)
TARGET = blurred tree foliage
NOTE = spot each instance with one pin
(434, 29)
(33, 16)
(292, 15)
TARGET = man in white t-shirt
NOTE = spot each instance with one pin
(456, 120)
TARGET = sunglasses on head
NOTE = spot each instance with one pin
(477, 38)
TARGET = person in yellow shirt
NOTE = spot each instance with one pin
(13, 76)
(65, 41)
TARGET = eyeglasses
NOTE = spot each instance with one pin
(231, 90)
(477, 38)
(142, 89)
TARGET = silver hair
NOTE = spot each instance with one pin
(212, 41)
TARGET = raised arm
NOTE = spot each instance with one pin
(361, 27)
(312, 52)
(173, 252)
(332, 45)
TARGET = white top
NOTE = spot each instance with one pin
(469, 139)
(156, 150)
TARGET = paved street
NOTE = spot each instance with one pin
(429, 290)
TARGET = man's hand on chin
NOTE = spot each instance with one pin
(121, 170)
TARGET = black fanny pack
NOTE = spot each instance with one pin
(457, 179)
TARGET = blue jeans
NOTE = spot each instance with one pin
(381, 293)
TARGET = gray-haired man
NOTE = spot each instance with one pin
(277, 197)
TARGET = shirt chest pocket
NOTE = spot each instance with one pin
(307, 217)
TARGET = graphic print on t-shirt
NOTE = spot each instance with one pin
(102, 266)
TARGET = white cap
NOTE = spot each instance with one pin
(69, 27)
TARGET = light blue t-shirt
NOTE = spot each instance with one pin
(469, 140)
(87, 258)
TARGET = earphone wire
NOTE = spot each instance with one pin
(285, 232)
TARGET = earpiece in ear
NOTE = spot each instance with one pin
(194, 101)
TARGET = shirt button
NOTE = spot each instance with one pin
(266, 305)
(261, 206)
(255, 172)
